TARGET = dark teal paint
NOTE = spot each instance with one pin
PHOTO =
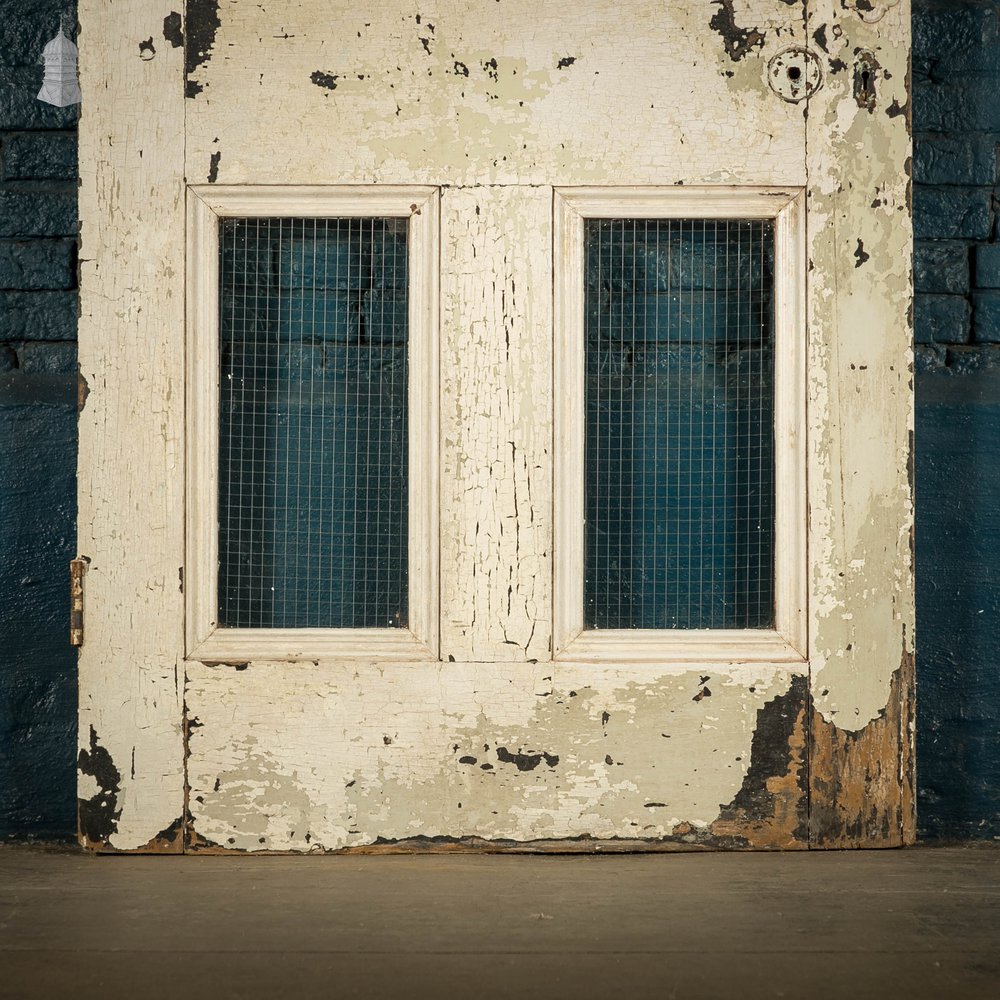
(958, 603)
(313, 456)
(38, 392)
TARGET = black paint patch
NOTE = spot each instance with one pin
(173, 834)
(895, 110)
(172, 30)
(565, 61)
(526, 761)
(703, 693)
(769, 749)
(201, 19)
(98, 816)
(837, 65)
(213, 167)
(326, 80)
(467, 760)
(460, 68)
(859, 254)
(736, 40)
(819, 37)
(146, 48)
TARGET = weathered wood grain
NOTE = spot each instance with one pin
(287, 758)
(496, 744)
(565, 92)
(496, 426)
(131, 465)
(861, 428)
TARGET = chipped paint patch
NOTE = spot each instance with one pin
(473, 752)
(201, 22)
(738, 42)
(173, 30)
(771, 809)
(328, 81)
(98, 813)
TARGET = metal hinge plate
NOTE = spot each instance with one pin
(77, 568)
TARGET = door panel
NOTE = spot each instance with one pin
(325, 758)
(485, 93)
(489, 741)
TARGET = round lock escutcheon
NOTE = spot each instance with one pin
(794, 74)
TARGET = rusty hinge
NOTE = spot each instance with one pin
(77, 568)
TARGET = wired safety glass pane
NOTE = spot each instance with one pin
(679, 452)
(313, 423)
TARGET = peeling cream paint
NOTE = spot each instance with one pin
(401, 112)
(131, 335)
(349, 754)
(496, 104)
(860, 392)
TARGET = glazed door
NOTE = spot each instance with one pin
(497, 426)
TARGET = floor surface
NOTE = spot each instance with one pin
(916, 923)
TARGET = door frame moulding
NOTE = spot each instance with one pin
(787, 642)
(204, 640)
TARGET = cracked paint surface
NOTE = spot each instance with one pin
(511, 93)
(355, 754)
(495, 743)
(496, 424)
(860, 428)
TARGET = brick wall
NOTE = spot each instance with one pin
(956, 118)
(38, 310)
(956, 167)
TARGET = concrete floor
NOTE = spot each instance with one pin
(913, 924)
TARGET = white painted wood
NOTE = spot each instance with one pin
(292, 757)
(569, 92)
(787, 642)
(206, 640)
(318, 98)
(719, 646)
(496, 485)
(860, 364)
(131, 457)
(860, 403)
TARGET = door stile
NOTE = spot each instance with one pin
(861, 429)
(131, 459)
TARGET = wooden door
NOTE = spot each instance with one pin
(501, 142)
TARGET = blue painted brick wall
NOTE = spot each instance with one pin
(956, 120)
(956, 102)
(38, 311)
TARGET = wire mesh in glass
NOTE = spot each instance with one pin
(313, 423)
(679, 453)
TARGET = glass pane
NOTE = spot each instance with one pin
(312, 423)
(679, 476)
